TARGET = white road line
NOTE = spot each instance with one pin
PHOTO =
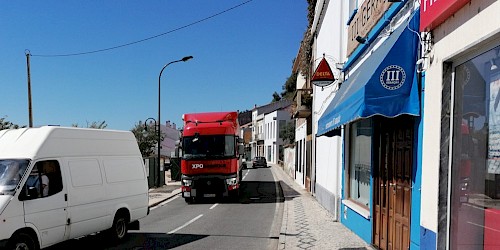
(245, 175)
(185, 225)
(213, 206)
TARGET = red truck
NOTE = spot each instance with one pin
(211, 165)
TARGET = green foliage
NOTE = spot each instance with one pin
(288, 132)
(289, 87)
(147, 138)
(94, 124)
(276, 97)
(4, 124)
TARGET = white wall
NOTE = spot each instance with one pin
(464, 29)
(326, 149)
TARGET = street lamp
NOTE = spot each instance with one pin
(184, 59)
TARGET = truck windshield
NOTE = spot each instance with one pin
(212, 146)
(11, 172)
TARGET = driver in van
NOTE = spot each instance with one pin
(34, 181)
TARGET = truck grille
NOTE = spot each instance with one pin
(210, 186)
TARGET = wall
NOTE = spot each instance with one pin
(473, 25)
(327, 150)
(289, 161)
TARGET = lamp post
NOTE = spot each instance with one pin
(184, 59)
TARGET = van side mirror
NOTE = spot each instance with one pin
(29, 193)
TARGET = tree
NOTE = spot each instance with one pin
(147, 138)
(276, 97)
(94, 124)
(288, 132)
(289, 87)
(4, 124)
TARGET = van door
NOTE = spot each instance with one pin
(45, 208)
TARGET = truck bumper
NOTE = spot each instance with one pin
(209, 186)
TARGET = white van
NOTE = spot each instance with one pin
(62, 183)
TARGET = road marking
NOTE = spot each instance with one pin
(185, 225)
(213, 206)
(248, 171)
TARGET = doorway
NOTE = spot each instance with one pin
(393, 182)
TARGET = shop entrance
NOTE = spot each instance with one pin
(393, 180)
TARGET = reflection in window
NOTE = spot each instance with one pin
(360, 161)
(475, 192)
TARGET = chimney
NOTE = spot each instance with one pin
(168, 124)
(174, 126)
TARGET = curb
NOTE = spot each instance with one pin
(168, 197)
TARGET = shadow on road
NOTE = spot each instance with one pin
(133, 241)
(256, 192)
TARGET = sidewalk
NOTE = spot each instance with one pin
(161, 194)
(306, 224)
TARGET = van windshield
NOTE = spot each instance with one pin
(11, 172)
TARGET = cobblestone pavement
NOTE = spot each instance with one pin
(307, 225)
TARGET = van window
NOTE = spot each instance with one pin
(85, 172)
(46, 178)
(123, 169)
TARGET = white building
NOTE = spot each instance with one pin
(329, 27)
(266, 122)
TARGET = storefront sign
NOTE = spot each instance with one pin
(435, 12)
(393, 77)
(367, 16)
(323, 76)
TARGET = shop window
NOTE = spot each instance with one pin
(475, 171)
(360, 161)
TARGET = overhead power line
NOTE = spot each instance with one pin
(145, 39)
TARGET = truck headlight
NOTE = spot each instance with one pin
(187, 182)
(232, 181)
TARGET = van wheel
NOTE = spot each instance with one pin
(189, 200)
(119, 229)
(23, 241)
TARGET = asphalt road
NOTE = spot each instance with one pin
(253, 222)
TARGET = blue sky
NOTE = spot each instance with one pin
(240, 58)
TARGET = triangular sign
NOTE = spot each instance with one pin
(323, 76)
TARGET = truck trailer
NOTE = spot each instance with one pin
(211, 164)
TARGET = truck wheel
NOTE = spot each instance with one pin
(23, 241)
(119, 229)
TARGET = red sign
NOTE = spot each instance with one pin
(435, 12)
(323, 76)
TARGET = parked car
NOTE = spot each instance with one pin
(259, 161)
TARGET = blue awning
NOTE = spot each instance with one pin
(385, 84)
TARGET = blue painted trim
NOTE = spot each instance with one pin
(427, 239)
(356, 223)
(352, 16)
(350, 218)
(372, 35)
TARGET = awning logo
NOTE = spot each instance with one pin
(393, 77)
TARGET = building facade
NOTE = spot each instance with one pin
(328, 27)
(460, 152)
(370, 123)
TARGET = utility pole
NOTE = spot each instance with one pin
(30, 110)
